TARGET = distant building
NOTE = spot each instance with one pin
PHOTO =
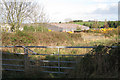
(7, 28)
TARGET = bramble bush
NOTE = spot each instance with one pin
(101, 62)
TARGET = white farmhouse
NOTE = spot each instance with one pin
(7, 28)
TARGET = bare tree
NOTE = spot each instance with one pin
(39, 15)
(16, 12)
(106, 24)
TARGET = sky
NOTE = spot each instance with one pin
(65, 10)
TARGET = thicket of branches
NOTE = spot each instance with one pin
(16, 12)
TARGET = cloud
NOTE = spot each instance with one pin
(59, 10)
(109, 10)
(105, 1)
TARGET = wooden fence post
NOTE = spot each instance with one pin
(26, 65)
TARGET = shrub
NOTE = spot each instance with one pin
(101, 62)
(31, 28)
(18, 38)
(107, 32)
(35, 29)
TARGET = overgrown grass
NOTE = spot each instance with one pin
(35, 29)
(50, 39)
(18, 38)
(35, 72)
(103, 63)
(39, 38)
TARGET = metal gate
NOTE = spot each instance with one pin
(26, 66)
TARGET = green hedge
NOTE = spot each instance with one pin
(35, 29)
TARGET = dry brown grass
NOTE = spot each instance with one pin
(52, 39)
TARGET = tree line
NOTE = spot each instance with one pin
(107, 24)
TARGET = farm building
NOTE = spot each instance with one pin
(7, 28)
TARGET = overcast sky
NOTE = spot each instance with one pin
(59, 10)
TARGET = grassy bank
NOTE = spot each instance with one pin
(29, 38)
(39, 38)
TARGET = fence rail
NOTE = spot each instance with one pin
(54, 46)
(26, 49)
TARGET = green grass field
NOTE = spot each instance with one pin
(88, 23)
